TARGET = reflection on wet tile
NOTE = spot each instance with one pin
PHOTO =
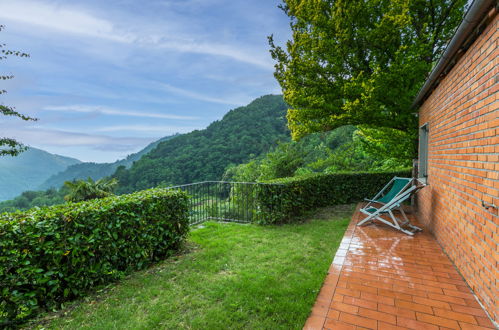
(381, 278)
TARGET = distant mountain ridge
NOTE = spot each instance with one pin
(96, 170)
(241, 134)
(28, 170)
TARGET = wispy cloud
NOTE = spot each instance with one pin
(115, 112)
(53, 137)
(236, 53)
(165, 130)
(67, 19)
(62, 19)
(198, 96)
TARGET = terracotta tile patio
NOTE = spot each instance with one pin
(381, 278)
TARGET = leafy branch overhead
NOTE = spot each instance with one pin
(360, 62)
(9, 146)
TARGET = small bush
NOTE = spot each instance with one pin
(291, 197)
(55, 254)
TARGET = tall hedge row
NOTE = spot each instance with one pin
(54, 254)
(288, 198)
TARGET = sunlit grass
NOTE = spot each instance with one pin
(230, 276)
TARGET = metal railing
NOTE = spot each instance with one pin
(224, 201)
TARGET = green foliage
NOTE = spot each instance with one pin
(360, 62)
(81, 190)
(288, 158)
(204, 155)
(52, 255)
(349, 157)
(30, 199)
(343, 149)
(295, 196)
(10, 146)
(389, 144)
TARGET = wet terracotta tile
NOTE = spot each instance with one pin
(361, 288)
(413, 324)
(465, 295)
(314, 323)
(320, 308)
(450, 299)
(467, 326)
(358, 320)
(348, 292)
(431, 302)
(376, 298)
(383, 279)
(344, 307)
(468, 310)
(341, 252)
(440, 321)
(331, 280)
(360, 302)
(334, 269)
(388, 326)
(338, 297)
(413, 306)
(395, 294)
(472, 303)
(380, 316)
(333, 315)
(327, 290)
(484, 322)
(455, 315)
(397, 311)
(337, 325)
(338, 260)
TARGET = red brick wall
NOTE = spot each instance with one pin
(463, 117)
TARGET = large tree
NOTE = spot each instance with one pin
(360, 62)
(9, 146)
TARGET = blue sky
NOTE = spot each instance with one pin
(105, 78)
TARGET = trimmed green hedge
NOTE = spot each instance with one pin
(291, 197)
(55, 254)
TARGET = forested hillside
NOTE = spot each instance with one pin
(28, 170)
(243, 133)
(346, 148)
(96, 170)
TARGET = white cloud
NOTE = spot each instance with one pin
(111, 111)
(83, 146)
(59, 18)
(39, 136)
(74, 20)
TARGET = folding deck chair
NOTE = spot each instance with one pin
(390, 198)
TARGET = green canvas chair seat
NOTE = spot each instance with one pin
(398, 185)
(390, 199)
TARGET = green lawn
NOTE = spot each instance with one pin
(230, 276)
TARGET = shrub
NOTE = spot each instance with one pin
(293, 196)
(54, 254)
